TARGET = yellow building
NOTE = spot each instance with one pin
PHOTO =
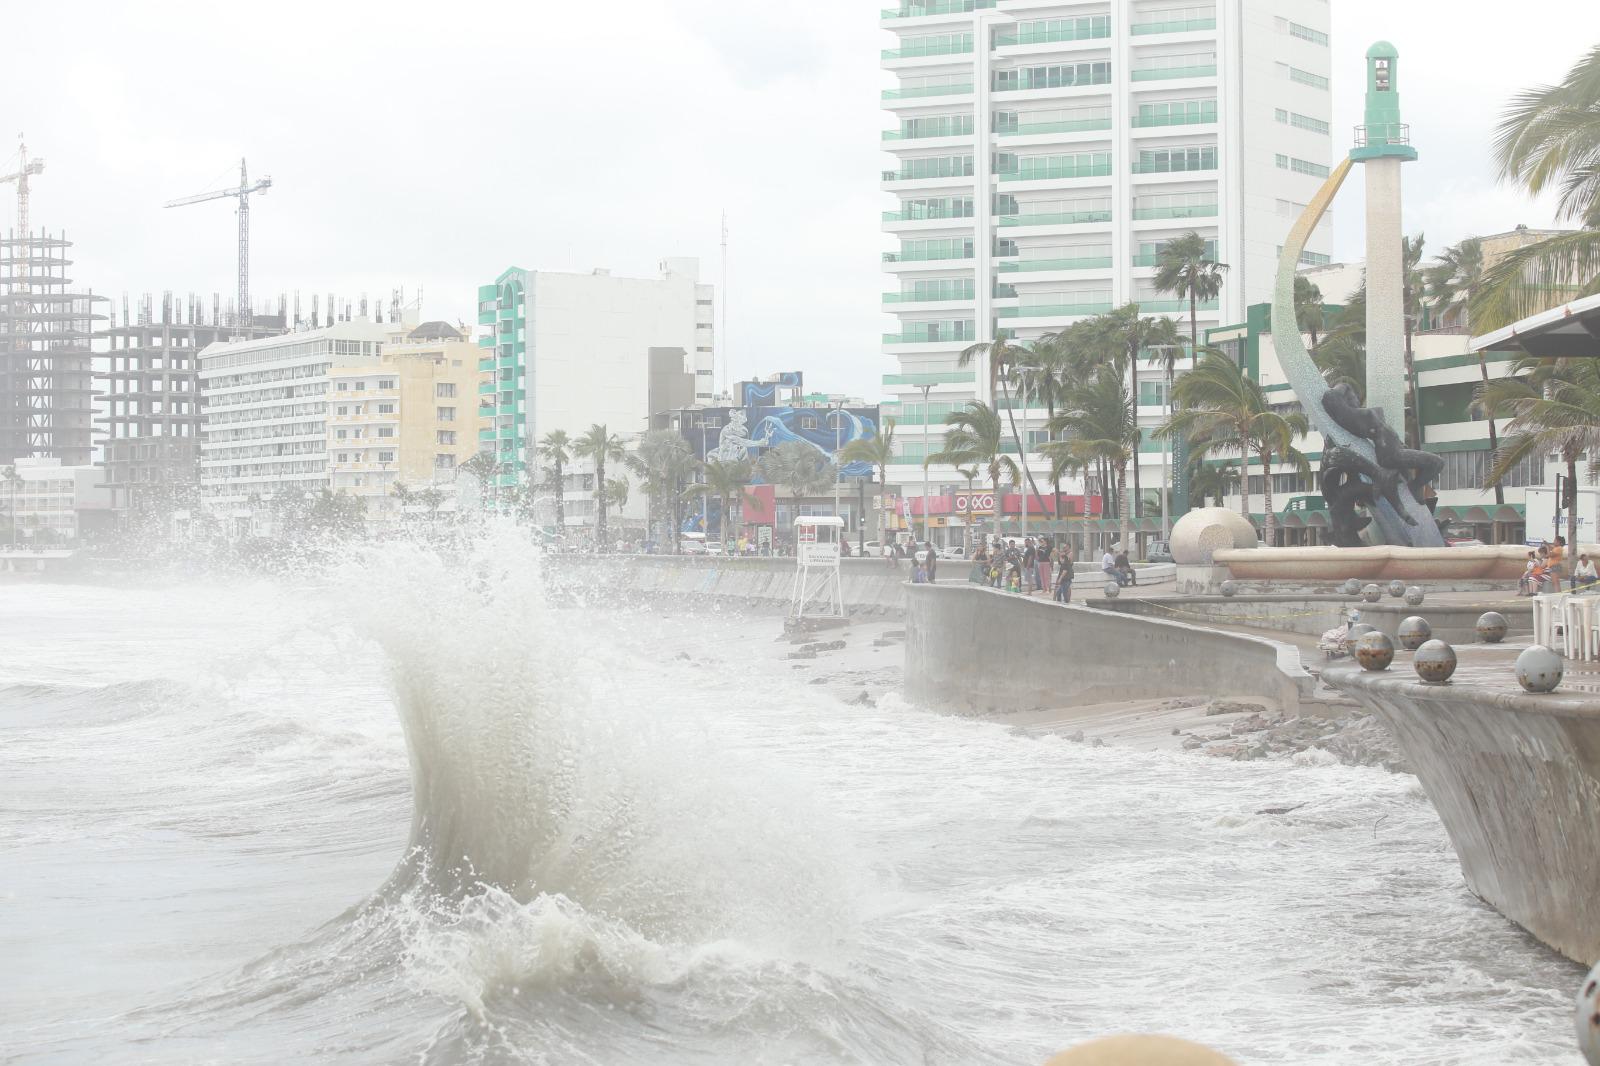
(407, 420)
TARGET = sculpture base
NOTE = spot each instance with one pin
(1501, 562)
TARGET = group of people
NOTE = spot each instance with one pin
(1034, 564)
(1546, 567)
(1115, 565)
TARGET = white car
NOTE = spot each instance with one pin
(955, 551)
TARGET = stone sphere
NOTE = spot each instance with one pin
(1434, 662)
(1397, 588)
(1132, 1050)
(1113, 590)
(1371, 593)
(1414, 632)
(1374, 651)
(1205, 530)
(1352, 587)
(1588, 1016)
(1230, 588)
(1413, 596)
(1355, 633)
(1539, 669)
(1491, 627)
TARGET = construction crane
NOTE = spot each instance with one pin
(25, 171)
(242, 194)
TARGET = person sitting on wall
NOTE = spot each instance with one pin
(1525, 583)
(1125, 569)
(1584, 575)
(1108, 565)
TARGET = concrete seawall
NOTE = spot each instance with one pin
(1516, 781)
(1313, 615)
(871, 586)
(977, 649)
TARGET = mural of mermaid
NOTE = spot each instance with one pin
(747, 432)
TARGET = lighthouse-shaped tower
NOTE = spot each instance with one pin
(1382, 144)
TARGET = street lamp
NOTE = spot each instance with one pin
(926, 539)
(1166, 472)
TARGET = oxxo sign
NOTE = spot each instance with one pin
(979, 501)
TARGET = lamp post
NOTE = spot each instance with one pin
(838, 416)
(925, 533)
(1166, 471)
(1027, 372)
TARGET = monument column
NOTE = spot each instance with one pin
(1382, 144)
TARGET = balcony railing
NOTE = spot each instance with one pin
(933, 175)
(929, 48)
(1099, 30)
(1173, 166)
(928, 297)
(949, 377)
(1198, 70)
(1159, 306)
(933, 336)
(1075, 125)
(1186, 118)
(1385, 133)
(1088, 262)
(1054, 310)
(1174, 26)
(963, 130)
(924, 215)
(935, 7)
(1047, 173)
(1142, 214)
(911, 92)
(927, 255)
(1056, 218)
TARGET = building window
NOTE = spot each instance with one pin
(444, 461)
(386, 457)
(446, 436)
(344, 410)
(445, 414)
(445, 390)
(385, 431)
(386, 383)
(340, 434)
(361, 386)
(344, 386)
(386, 408)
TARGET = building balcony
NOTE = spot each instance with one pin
(1198, 70)
(1028, 84)
(1056, 218)
(940, 133)
(916, 92)
(924, 257)
(1140, 29)
(930, 48)
(1199, 118)
(914, 335)
(1055, 310)
(949, 377)
(957, 296)
(1167, 306)
(937, 174)
(1083, 125)
(1074, 30)
(1056, 173)
(922, 215)
(1145, 214)
(1173, 166)
(934, 7)
(1095, 262)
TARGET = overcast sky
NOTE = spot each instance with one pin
(431, 145)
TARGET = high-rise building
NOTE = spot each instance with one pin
(567, 351)
(46, 377)
(1045, 151)
(150, 407)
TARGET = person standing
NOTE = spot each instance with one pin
(1030, 570)
(1042, 560)
(1064, 572)
(930, 562)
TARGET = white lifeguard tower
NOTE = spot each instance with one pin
(816, 576)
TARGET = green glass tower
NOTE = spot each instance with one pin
(503, 374)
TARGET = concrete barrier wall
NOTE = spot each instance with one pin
(871, 586)
(1516, 781)
(978, 649)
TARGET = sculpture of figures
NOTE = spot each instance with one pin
(1350, 480)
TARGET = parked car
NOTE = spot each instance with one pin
(1158, 552)
(955, 551)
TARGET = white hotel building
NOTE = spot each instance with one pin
(1043, 150)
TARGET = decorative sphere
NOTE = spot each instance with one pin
(1588, 1015)
(1397, 588)
(1371, 593)
(1539, 669)
(1355, 633)
(1413, 596)
(1491, 627)
(1113, 590)
(1375, 651)
(1230, 588)
(1434, 662)
(1144, 1050)
(1414, 632)
(1352, 587)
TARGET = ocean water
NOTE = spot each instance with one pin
(411, 812)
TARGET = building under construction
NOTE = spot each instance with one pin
(46, 378)
(150, 391)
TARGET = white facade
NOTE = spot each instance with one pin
(265, 405)
(1045, 150)
(45, 500)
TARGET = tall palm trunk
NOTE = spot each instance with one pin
(1022, 453)
(1127, 519)
(1271, 520)
(1413, 428)
(1244, 482)
(1138, 439)
(600, 503)
(1570, 557)
(561, 500)
(1494, 437)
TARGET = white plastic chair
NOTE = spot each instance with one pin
(1581, 622)
(1549, 620)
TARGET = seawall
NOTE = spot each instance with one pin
(871, 586)
(1515, 778)
(977, 649)
(1312, 615)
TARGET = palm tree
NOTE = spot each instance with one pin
(1549, 138)
(665, 462)
(1413, 294)
(970, 473)
(876, 451)
(1554, 406)
(1308, 312)
(801, 467)
(555, 448)
(1452, 283)
(975, 439)
(1121, 335)
(725, 481)
(1004, 355)
(1213, 479)
(599, 445)
(1099, 427)
(1218, 401)
(1185, 269)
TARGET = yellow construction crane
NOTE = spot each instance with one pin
(242, 194)
(25, 170)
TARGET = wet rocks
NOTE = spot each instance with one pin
(1233, 707)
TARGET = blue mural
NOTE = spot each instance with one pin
(747, 432)
(756, 393)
